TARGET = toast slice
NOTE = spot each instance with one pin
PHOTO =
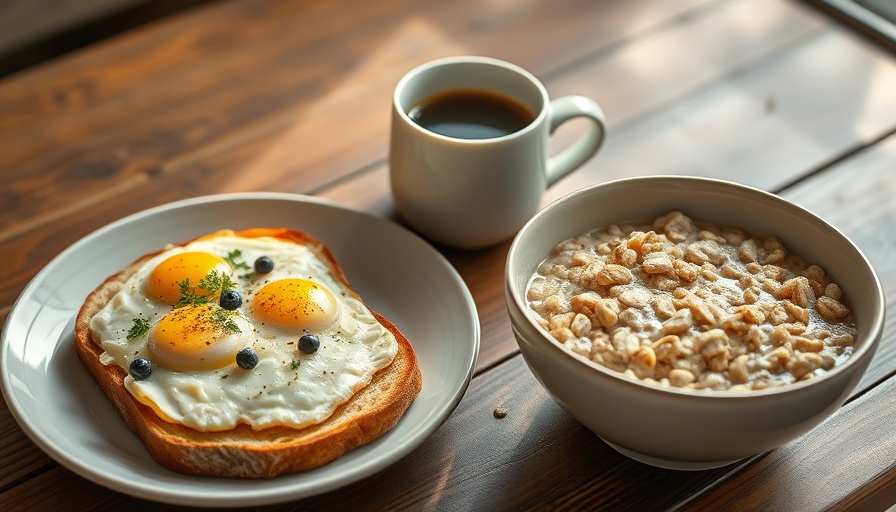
(242, 451)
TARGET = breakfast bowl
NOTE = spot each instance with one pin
(683, 427)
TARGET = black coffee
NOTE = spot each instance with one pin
(471, 114)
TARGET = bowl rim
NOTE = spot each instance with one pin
(515, 301)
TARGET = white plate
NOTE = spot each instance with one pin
(62, 409)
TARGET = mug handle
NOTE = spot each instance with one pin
(563, 109)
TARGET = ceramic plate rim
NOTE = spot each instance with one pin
(205, 491)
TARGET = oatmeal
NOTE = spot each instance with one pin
(692, 305)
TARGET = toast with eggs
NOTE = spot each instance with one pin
(249, 443)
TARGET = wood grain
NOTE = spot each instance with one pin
(212, 80)
(252, 116)
(766, 125)
(22, 460)
(293, 96)
(231, 171)
(846, 463)
(204, 103)
(722, 99)
(540, 445)
(548, 461)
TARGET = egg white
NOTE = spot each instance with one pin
(287, 387)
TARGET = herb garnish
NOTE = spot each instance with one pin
(294, 365)
(139, 328)
(224, 318)
(235, 258)
(212, 284)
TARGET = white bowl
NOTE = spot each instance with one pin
(680, 428)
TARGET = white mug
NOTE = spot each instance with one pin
(476, 192)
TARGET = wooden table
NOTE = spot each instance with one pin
(252, 95)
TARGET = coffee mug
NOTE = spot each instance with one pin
(468, 156)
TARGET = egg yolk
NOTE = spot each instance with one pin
(164, 281)
(295, 304)
(195, 338)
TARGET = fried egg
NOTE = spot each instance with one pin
(163, 282)
(295, 305)
(190, 338)
(192, 342)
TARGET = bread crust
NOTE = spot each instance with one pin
(242, 451)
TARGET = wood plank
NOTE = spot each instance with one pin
(260, 170)
(858, 208)
(222, 109)
(845, 464)
(56, 183)
(537, 436)
(55, 489)
(764, 125)
(550, 461)
(185, 98)
(656, 73)
(214, 79)
(643, 77)
(537, 439)
(718, 100)
(775, 25)
(22, 459)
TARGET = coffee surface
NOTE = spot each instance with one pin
(471, 114)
